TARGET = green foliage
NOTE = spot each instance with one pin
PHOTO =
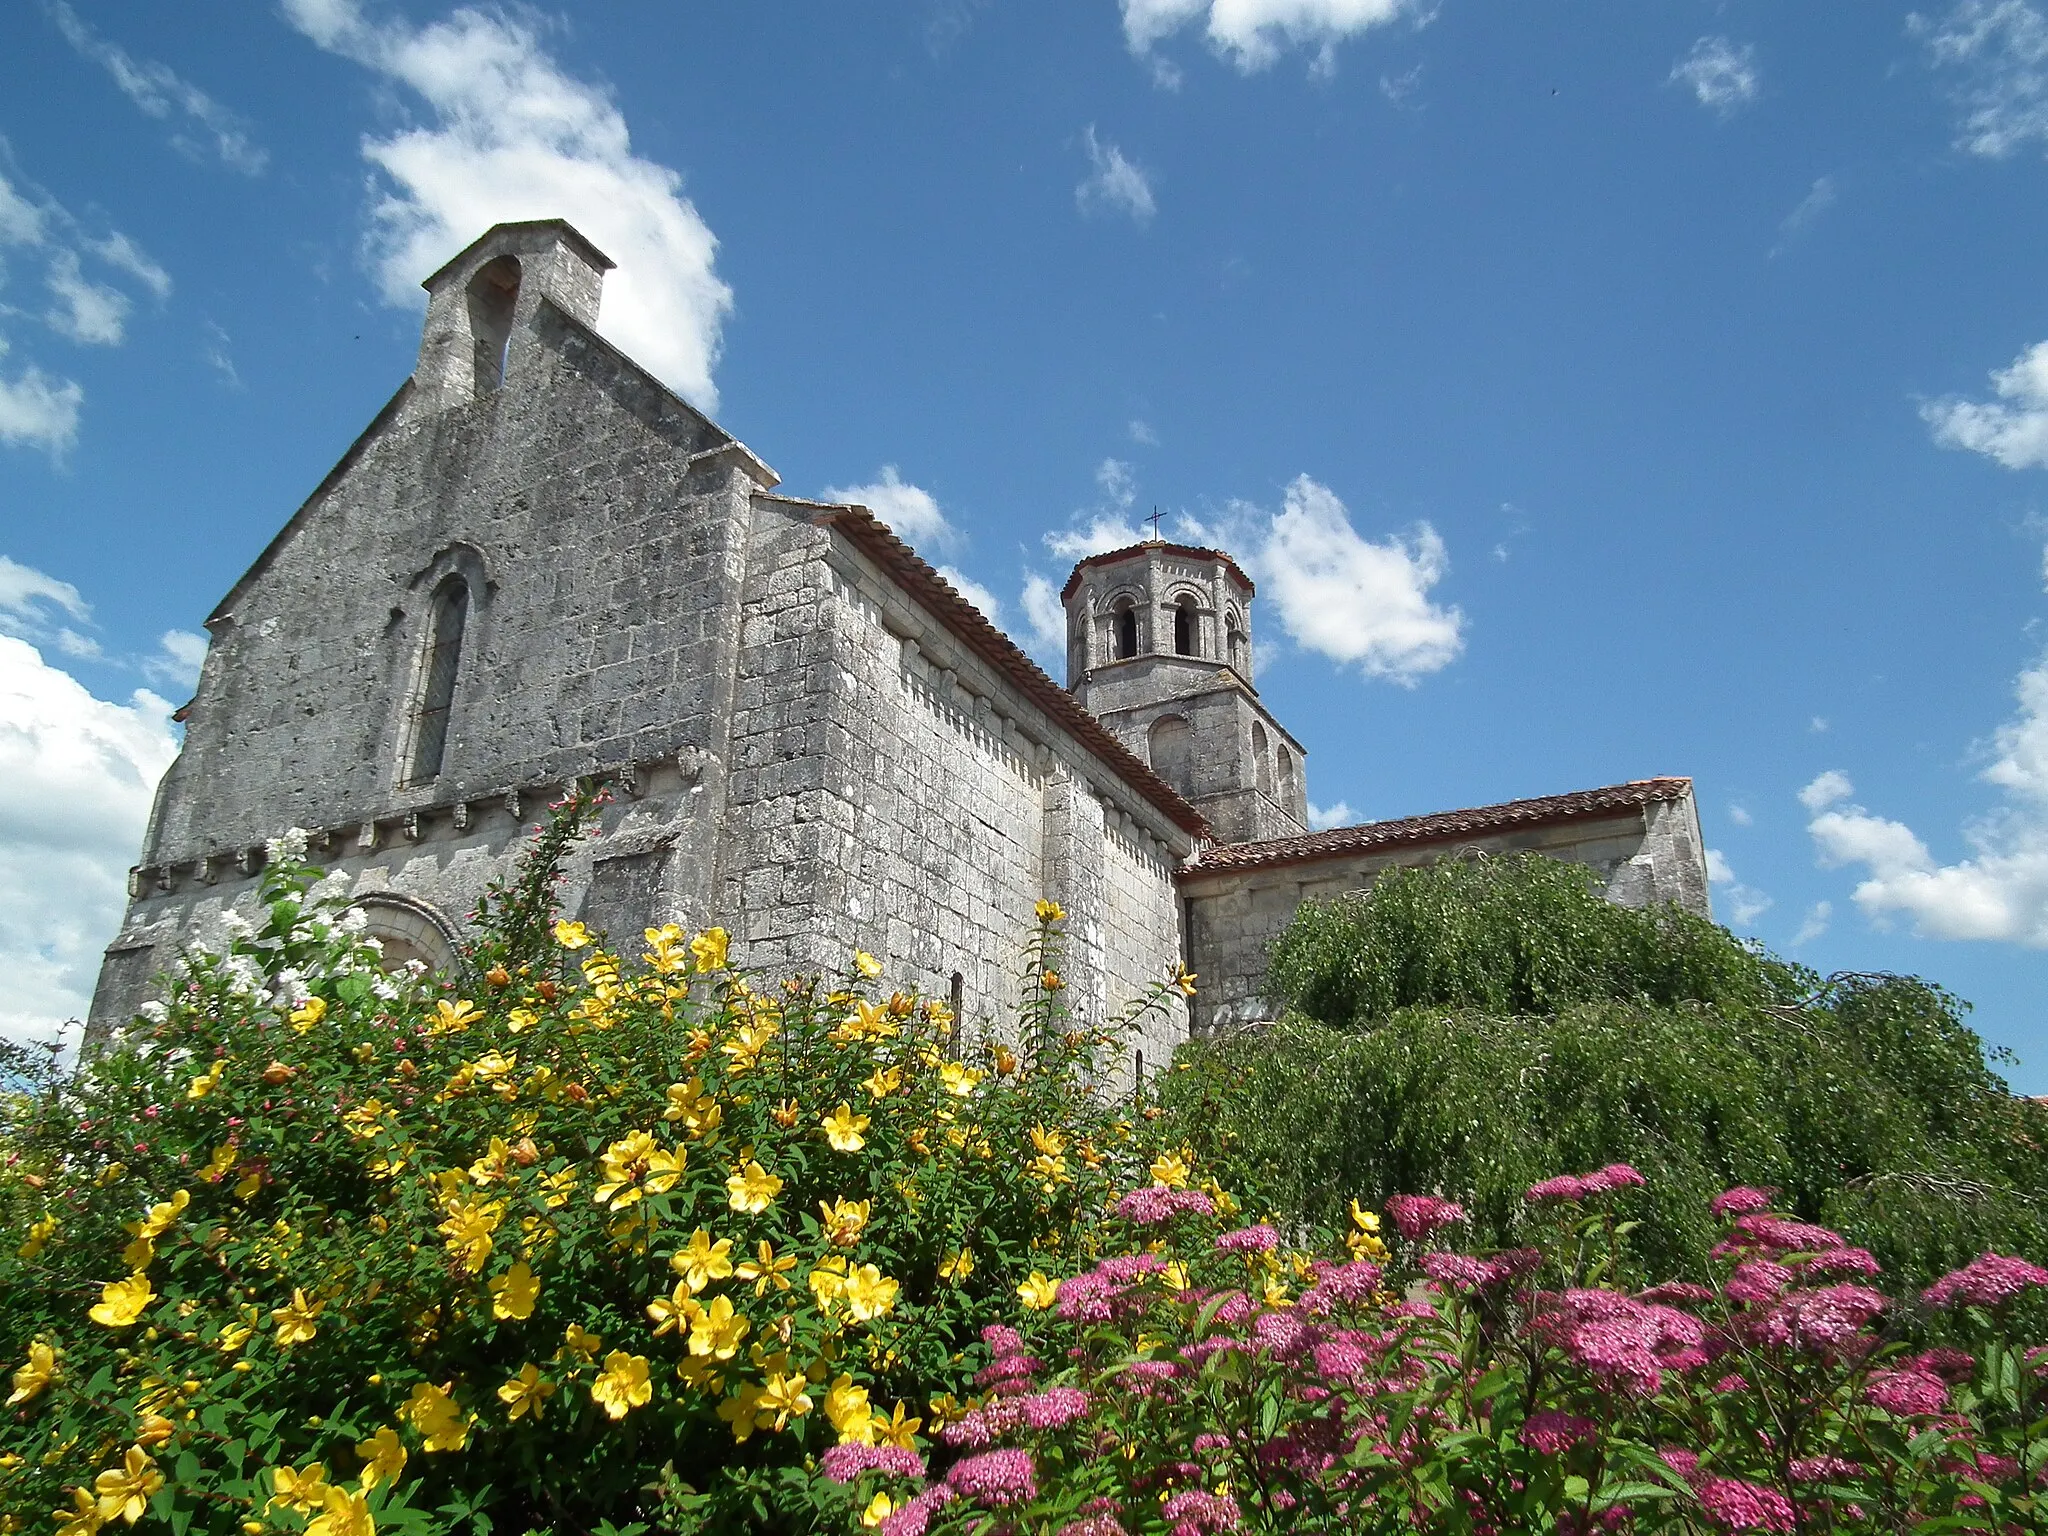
(571, 1237)
(1469, 1028)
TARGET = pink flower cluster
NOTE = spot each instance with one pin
(1985, 1281)
(1553, 1433)
(1909, 1393)
(844, 1463)
(1575, 1187)
(1258, 1239)
(994, 1477)
(1416, 1216)
(1740, 1201)
(1734, 1505)
(1152, 1205)
(1624, 1342)
(1195, 1513)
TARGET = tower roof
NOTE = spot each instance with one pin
(575, 237)
(1189, 551)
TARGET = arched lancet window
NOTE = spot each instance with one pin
(1239, 645)
(1125, 619)
(1262, 759)
(1184, 631)
(1286, 777)
(1170, 745)
(492, 294)
(438, 668)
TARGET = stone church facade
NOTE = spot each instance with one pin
(538, 564)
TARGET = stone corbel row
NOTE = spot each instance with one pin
(631, 780)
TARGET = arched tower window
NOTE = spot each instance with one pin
(1286, 777)
(1262, 759)
(1124, 619)
(492, 294)
(1170, 745)
(1184, 632)
(438, 669)
(1238, 646)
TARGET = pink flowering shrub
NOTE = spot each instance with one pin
(1210, 1378)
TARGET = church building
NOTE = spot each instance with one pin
(537, 564)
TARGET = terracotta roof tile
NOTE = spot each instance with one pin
(967, 622)
(1443, 826)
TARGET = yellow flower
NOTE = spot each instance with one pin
(917, 1141)
(468, 1229)
(846, 1405)
(828, 1281)
(843, 1220)
(1366, 1221)
(666, 949)
(843, 1128)
(623, 1386)
(866, 964)
(297, 1322)
(702, 1261)
(782, 1398)
(1050, 980)
(309, 1013)
(122, 1301)
(437, 1417)
(342, 1514)
(959, 1079)
(526, 1393)
(869, 1294)
(786, 1114)
(82, 1519)
(140, 1254)
(1049, 912)
(455, 1017)
(710, 948)
(698, 1111)
(752, 1189)
(40, 1231)
(766, 1269)
(717, 1330)
(1175, 1276)
(956, 1267)
(298, 1490)
(520, 1020)
(1170, 1169)
(557, 1187)
(164, 1216)
(36, 1374)
(635, 1166)
(674, 1312)
(514, 1293)
(1184, 981)
(1037, 1292)
(124, 1490)
(884, 1081)
(897, 1430)
(206, 1081)
(582, 1347)
(571, 935)
(880, 1507)
(383, 1457)
(747, 1043)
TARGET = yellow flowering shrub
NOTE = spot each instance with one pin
(581, 1233)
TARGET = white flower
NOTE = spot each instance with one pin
(353, 921)
(385, 988)
(288, 849)
(153, 1011)
(328, 889)
(236, 927)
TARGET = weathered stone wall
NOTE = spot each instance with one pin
(1642, 856)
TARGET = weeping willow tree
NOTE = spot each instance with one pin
(1468, 1028)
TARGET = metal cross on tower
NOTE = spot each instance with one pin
(1154, 521)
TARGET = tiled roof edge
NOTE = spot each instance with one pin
(1440, 826)
(1194, 551)
(971, 626)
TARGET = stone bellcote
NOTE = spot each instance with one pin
(1159, 649)
(479, 304)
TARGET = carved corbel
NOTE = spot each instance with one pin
(461, 815)
(366, 837)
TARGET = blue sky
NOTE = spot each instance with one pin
(1596, 392)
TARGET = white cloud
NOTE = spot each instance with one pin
(1046, 615)
(1115, 185)
(2000, 892)
(178, 657)
(1102, 533)
(1820, 197)
(88, 312)
(1348, 598)
(1739, 814)
(990, 605)
(1745, 903)
(1720, 75)
(1141, 432)
(26, 594)
(37, 411)
(1398, 88)
(1818, 725)
(76, 777)
(2012, 429)
(161, 92)
(117, 250)
(514, 137)
(1253, 33)
(2000, 50)
(1825, 790)
(1323, 817)
(1815, 923)
(911, 511)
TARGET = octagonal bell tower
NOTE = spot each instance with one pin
(1159, 649)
